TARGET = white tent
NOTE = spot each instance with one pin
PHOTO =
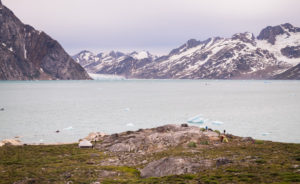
(85, 144)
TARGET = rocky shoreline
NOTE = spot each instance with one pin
(166, 154)
(130, 147)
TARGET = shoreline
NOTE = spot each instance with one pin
(166, 154)
(16, 140)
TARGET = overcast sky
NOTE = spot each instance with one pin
(154, 25)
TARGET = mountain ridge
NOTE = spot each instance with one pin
(243, 56)
(28, 54)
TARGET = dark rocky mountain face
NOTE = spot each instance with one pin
(242, 56)
(292, 73)
(291, 51)
(28, 54)
(269, 33)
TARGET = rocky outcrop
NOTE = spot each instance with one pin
(271, 32)
(10, 142)
(156, 139)
(94, 136)
(291, 51)
(291, 74)
(154, 150)
(174, 166)
(28, 54)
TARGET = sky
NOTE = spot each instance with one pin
(157, 26)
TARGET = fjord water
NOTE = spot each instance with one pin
(34, 110)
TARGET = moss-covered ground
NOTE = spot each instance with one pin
(257, 162)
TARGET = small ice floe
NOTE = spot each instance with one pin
(41, 140)
(68, 128)
(217, 123)
(266, 133)
(196, 119)
(127, 109)
(105, 77)
(130, 124)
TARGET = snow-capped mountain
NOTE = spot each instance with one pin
(292, 73)
(116, 63)
(274, 51)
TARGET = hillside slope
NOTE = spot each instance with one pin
(28, 54)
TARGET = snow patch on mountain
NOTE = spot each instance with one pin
(140, 55)
(282, 41)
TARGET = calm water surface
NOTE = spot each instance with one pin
(34, 110)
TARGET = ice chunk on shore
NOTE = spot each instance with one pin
(217, 123)
(196, 119)
(130, 124)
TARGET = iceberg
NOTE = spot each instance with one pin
(68, 128)
(265, 134)
(196, 119)
(130, 124)
(217, 123)
(106, 77)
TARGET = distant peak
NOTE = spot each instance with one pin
(115, 54)
(269, 33)
(245, 37)
(192, 43)
(290, 28)
(140, 55)
(189, 44)
(287, 25)
(85, 52)
(132, 53)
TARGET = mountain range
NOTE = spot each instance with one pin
(29, 54)
(273, 54)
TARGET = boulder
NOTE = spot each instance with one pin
(173, 166)
(95, 136)
(12, 142)
(247, 139)
(222, 161)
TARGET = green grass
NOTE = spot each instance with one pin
(204, 142)
(217, 131)
(261, 162)
(192, 145)
(259, 142)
